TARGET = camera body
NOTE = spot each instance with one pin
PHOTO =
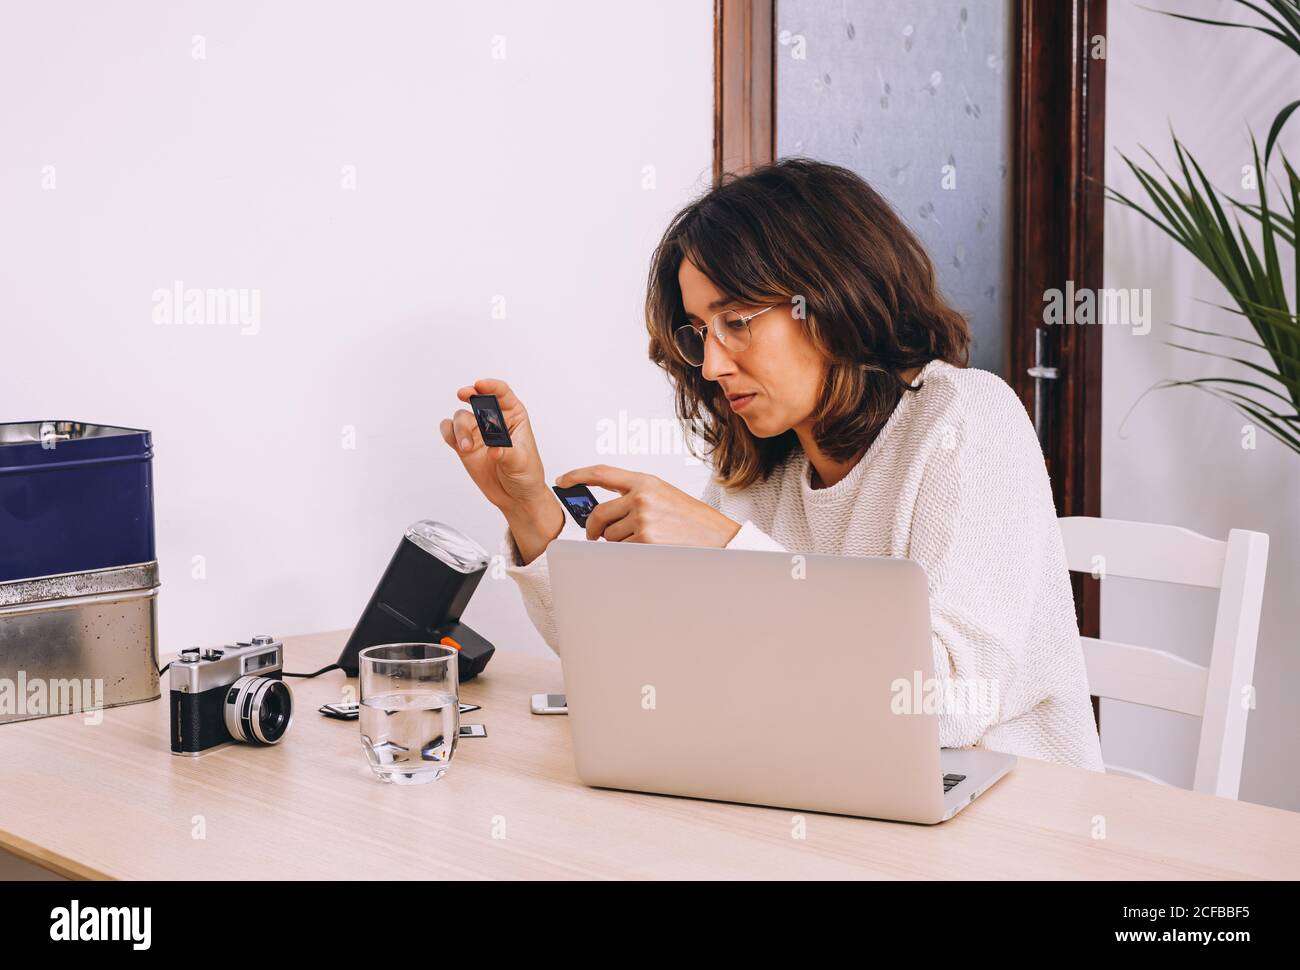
(226, 694)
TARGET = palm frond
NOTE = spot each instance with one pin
(1284, 427)
(1284, 21)
(1207, 223)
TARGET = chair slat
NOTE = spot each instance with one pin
(1142, 675)
(1142, 550)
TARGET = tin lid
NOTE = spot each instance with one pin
(50, 433)
(452, 546)
(116, 580)
(45, 444)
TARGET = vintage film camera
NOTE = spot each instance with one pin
(228, 694)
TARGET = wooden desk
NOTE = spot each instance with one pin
(111, 801)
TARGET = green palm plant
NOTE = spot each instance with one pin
(1193, 212)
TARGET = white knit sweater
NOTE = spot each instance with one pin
(955, 481)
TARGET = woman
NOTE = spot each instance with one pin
(800, 325)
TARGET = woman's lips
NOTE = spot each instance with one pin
(741, 402)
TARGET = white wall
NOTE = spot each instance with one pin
(476, 177)
(1179, 457)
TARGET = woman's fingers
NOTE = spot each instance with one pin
(621, 531)
(605, 516)
(465, 432)
(445, 429)
(489, 385)
(605, 476)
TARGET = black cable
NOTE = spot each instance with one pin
(316, 674)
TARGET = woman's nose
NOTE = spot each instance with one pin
(717, 361)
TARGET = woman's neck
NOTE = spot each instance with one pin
(827, 471)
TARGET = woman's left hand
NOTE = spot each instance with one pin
(648, 509)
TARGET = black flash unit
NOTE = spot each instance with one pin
(420, 598)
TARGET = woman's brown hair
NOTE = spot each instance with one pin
(802, 228)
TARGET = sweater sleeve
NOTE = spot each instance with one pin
(534, 582)
(981, 528)
(534, 579)
(750, 536)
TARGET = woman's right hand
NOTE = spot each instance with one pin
(512, 478)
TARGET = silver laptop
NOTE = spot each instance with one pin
(795, 681)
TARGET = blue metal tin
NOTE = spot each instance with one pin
(73, 497)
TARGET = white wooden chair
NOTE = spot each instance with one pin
(1220, 694)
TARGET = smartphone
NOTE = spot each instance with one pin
(491, 422)
(578, 500)
(550, 704)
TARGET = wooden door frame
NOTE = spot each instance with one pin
(1059, 147)
(1058, 237)
(744, 85)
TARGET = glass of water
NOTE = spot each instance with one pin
(410, 710)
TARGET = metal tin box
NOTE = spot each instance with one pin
(78, 641)
(74, 497)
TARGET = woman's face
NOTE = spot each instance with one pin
(776, 382)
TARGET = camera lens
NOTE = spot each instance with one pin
(259, 710)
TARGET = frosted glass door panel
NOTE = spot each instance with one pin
(914, 96)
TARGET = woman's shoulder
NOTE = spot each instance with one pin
(968, 396)
(975, 413)
(945, 384)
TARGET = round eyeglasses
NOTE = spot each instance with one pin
(729, 327)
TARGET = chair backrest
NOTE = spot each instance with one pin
(1220, 694)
